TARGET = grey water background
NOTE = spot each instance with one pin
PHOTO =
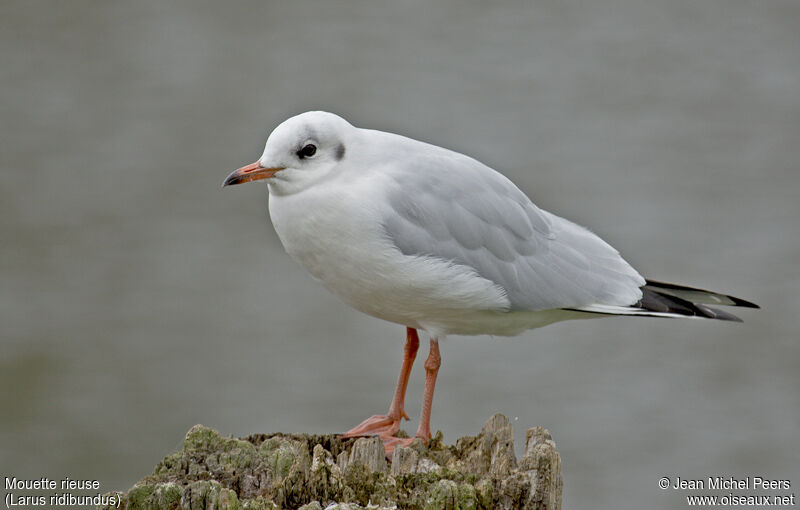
(138, 298)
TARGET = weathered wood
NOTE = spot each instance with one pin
(290, 471)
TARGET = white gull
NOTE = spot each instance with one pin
(434, 240)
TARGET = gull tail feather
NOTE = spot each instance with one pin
(661, 299)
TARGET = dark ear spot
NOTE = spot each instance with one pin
(339, 152)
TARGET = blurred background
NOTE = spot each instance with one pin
(139, 298)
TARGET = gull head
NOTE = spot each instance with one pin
(299, 152)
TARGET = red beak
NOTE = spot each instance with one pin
(251, 172)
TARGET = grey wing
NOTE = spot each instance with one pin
(459, 210)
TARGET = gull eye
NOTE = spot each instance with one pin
(307, 151)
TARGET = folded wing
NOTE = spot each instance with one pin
(454, 208)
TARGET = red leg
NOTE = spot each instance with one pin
(388, 425)
(424, 431)
(431, 371)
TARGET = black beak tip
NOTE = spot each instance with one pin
(231, 180)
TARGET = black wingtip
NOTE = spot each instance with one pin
(743, 302)
(671, 286)
(655, 301)
(716, 313)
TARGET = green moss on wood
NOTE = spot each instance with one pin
(315, 472)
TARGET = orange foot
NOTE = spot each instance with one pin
(385, 428)
(390, 442)
(377, 425)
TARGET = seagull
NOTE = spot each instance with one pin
(434, 240)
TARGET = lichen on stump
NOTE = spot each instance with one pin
(290, 471)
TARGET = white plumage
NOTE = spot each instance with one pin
(429, 238)
(435, 240)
